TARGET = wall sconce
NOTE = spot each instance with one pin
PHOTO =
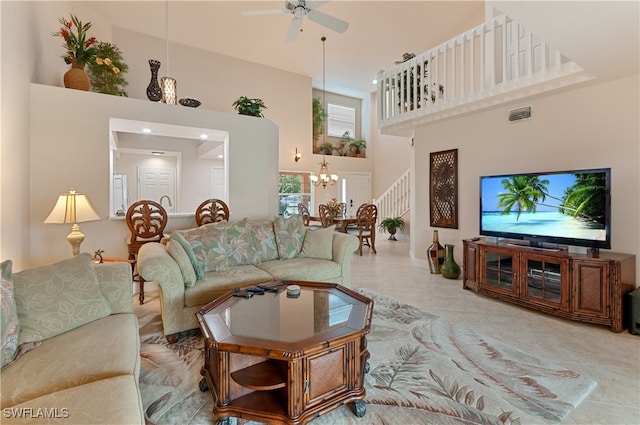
(297, 157)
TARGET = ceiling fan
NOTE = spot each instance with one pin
(299, 9)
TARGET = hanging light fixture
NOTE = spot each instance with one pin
(168, 85)
(324, 177)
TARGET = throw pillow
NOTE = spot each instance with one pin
(176, 251)
(240, 249)
(209, 245)
(318, 243)
(10, 324)
(59, 297)
(289, 235)
(264, 240)
(198, 266)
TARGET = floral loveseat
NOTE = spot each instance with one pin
(198, 265)
(70, 344)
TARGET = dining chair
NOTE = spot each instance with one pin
(367, 217)
(326, 216)
(304, 212)
(146, 221)
(212, 211)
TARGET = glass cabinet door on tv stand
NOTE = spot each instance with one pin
(499, 270)
(544, 280)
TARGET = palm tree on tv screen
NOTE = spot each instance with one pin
(584, 199)
(523, 192)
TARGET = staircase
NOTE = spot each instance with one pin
(496, 62)
(395, 201)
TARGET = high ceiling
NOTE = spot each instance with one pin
(601, 36)
(379, 33)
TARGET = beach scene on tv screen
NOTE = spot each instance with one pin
(558, 205)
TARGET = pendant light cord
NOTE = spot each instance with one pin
(166, 32)
(324, 89)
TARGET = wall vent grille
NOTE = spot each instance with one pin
(520, 114)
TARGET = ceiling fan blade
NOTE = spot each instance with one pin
(294, 29)
(264, 12)
(314, 4)
(333, 23)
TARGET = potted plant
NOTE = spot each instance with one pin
(247, 106)
(107, 69)
(407, 83)
(357, 146)
(326, 148)
(320, 116)
(80, 50)
(391, 225)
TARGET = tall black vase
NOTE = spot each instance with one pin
(153, 89)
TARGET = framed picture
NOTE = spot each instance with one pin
(443, 189)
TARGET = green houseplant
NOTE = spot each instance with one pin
(107, 69)
(391, 226)
(357, 146)
(247, 106)
(320, 116)
(326, 148)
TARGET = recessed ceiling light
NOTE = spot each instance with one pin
(146, 130)
(204, 137)
(220, 156)
(374, 81)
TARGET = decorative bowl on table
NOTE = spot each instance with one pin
(190, 102)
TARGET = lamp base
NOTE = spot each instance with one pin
(75, 238)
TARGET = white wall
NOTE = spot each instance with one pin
(69, 141)
(590, 127)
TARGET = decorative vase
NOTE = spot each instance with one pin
(435, 254)
(450, 269)
(153, 89)
(75, 78)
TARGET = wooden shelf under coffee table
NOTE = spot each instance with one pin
(279, 359)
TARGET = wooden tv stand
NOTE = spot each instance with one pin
(583, 287)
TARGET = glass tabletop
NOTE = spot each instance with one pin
(280, 317)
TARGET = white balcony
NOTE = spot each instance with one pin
(496, 62)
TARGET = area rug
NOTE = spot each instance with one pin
(423, 371)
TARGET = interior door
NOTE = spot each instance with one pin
(355, 190)
(217, 184)
(158, 184)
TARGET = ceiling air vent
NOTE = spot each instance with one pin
(520, 114)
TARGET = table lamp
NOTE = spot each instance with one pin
(74, 208)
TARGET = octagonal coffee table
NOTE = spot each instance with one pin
(283, 358)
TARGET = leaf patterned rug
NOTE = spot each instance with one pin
(423, 371)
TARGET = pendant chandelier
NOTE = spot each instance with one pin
(324, 177)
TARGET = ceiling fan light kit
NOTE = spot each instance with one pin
(301, 9)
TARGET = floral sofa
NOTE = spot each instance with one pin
(70, 344)
(198, 265)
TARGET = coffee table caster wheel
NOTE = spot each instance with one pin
(359, 408)
(204, 386)
(223, 421)
(367, 367)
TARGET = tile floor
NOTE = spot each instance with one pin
(613, 360)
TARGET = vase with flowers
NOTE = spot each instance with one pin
(335, 207)
(80, 50)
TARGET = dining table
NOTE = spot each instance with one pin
(341, 222)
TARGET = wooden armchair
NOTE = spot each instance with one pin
(304, 212)
(211, 211)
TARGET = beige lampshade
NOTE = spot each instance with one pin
(72, 208)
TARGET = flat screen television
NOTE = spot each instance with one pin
(561, 207)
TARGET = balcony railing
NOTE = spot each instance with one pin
(495, 62)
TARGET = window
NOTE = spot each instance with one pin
(294, 188)
(341, 119)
